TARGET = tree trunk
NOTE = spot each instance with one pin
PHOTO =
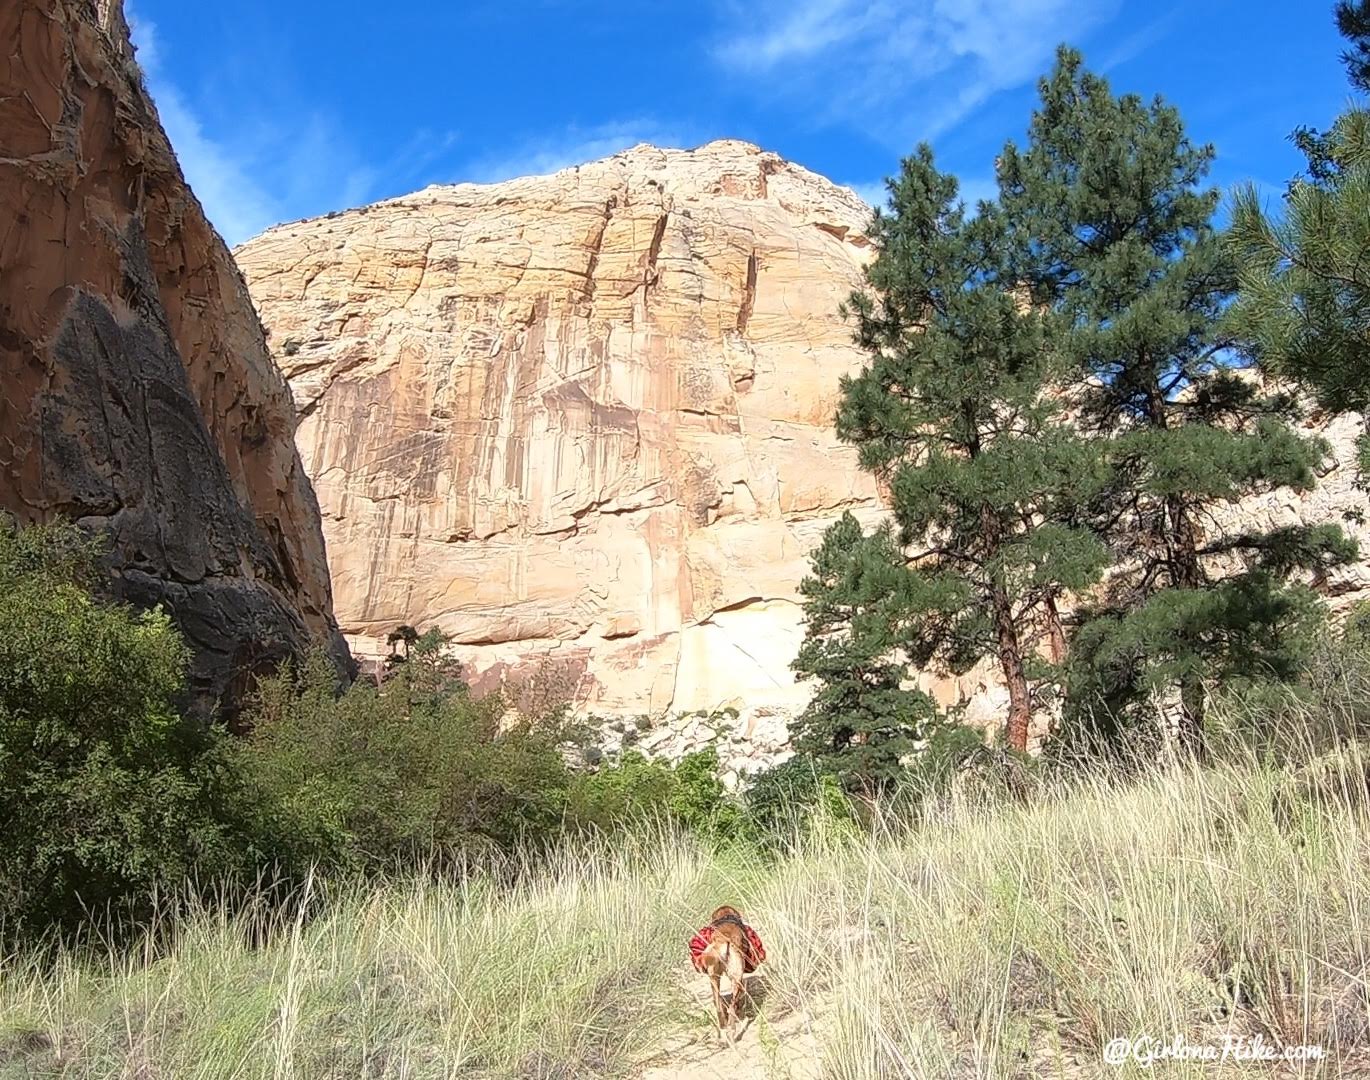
(1187, 574)
(1005, 631)
(1015, 677)
(1056, 633)
(1190, 731)
(1009, 647)
(1181, 539)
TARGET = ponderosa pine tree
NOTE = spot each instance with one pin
(1353, 20)
(954, 414)
(1112, 232)
(1304, 305)
(860, 723)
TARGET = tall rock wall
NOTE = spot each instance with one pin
(138, 395)
(582, 422)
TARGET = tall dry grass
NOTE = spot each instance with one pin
(1000, 930)
(994, 939)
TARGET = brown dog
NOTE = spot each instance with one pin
(730, 948)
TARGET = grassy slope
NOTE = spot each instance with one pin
(992, 941)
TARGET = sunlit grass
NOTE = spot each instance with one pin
(995, 938)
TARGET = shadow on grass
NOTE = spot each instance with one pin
(757, 988)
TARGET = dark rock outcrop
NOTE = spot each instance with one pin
(137, 394)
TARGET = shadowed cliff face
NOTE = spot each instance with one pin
(138, 395)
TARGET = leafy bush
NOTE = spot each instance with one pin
(952, 749)
(109, 795)
(632, 790)
(1326, 707)
(795, 798)
(105, 790)
(810, 792)
(412, 770)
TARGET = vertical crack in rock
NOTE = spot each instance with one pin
(596, 245)
(617, 428)
(744, 312)
(423, 269)
(650, 273)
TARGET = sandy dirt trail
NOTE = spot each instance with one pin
(777, 1043)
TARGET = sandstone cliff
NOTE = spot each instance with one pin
(583, 419)
(138, 395)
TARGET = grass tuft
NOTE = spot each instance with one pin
(995, 938)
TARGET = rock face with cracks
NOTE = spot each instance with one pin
(581, 422)
(138, 395)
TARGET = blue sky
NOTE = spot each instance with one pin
(282, 110)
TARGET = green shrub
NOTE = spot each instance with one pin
(631, 791)
(791, 800)
(700, 802)
(806, 795)
(955, 751)
(1327, 707)
(414, 770)
(106, 792)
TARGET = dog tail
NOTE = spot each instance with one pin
(733, 964)
(720, 958)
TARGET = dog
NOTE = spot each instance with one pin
(726, 947)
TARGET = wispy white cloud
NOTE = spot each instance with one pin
(421, 153)
(900, 70)
(1137, 43)
(238, 206)
(571, 146)
(263, 169)
(799, 30)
